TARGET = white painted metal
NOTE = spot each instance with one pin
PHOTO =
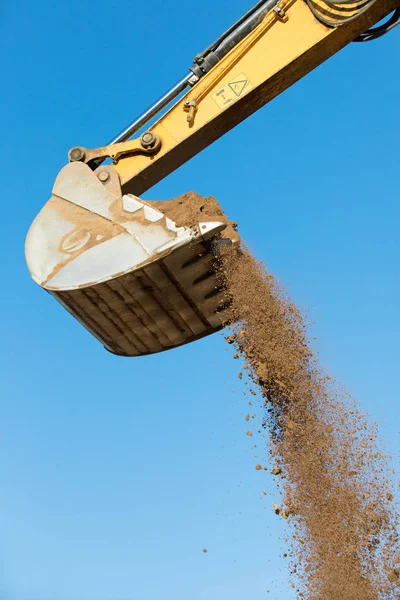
(135, 280)
(86, 234)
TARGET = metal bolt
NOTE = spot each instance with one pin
(147, 137)
(76, 154)
(148, 140)
(103, 176)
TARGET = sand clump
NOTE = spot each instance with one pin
(336, 485)
(190, 209)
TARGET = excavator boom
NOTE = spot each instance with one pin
(130, 275)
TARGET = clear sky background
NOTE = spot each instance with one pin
(116, 473)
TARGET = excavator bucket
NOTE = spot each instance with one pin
(135, 280)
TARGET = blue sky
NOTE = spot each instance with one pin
(116, 473)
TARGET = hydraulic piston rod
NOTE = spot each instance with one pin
(153, 110)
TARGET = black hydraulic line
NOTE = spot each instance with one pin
(337, 22)
(377, 32)
(232, 28)
(203, 63)
(369, 35)
(244, 29)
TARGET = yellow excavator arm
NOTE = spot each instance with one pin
(134, 279)
(287, 42)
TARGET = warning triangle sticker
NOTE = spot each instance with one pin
(238, 86)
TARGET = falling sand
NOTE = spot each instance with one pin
(334, 479)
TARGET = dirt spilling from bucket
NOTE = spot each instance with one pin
(336, 485)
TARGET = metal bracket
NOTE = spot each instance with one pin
(190, 107)
(280, 13)
(148, 143)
